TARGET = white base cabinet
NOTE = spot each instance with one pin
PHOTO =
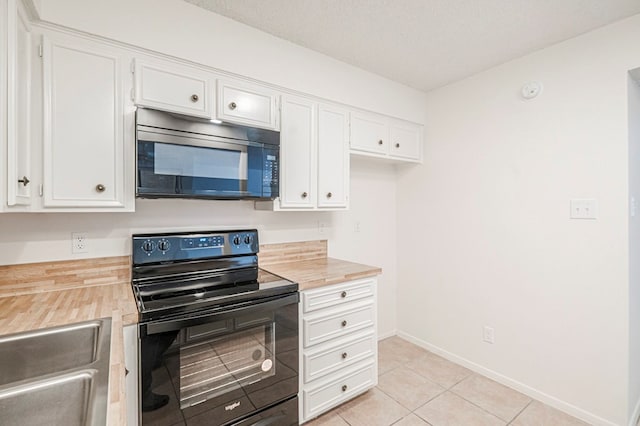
(338, 340)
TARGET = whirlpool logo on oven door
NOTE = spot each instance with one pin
(232, 406)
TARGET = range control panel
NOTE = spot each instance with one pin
(151, 248)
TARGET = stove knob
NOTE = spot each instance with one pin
(236, 240)
(247, 239)
(148, 246)
(164, 245)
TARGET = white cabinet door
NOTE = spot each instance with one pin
(173, 88)
(369, 132)
(83, 124)
(333, 157)
(247, 104)
(19, 102)
(406, 140)
(297, 153)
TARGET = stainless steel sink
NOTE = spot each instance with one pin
(56, 376)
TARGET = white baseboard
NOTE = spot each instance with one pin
(636, 413)
(386, 334)
(520, 387)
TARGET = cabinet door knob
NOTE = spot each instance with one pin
(344, 388)
(397, 145)
(380, 142)
(126, 372)
(329, 195)
(344, 323)
(344, 355)
(24, 181)
(194, 98)
(304, 195)
(343, 294)
(100, 187)
(233, 105)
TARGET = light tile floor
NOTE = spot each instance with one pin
(418, 388)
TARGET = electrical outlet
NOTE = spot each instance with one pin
(488, 334)
(583, 209)
(79, 242)
(322, 227)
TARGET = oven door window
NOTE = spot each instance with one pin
(221, 170)
(215, 366)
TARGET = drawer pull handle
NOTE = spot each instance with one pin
(100, 187)
(343, 294)
(233, 105)
(380, 142)
(344, 388)
(344, 323)
(126, 372)
(194, 98)
(344, 355)
(24, 181)
(304, 195)
(397, 145)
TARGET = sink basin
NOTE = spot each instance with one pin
(56, 376)
(39, 352)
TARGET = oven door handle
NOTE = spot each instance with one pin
(225, 313)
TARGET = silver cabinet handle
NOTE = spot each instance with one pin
(233, 105)
(380, 142)
(304, 195)
(344, 388)
(344, 355)
(329, 195)
(343, 294)
(397, 145)
(24, 181)
(100, 187)
(194, 98)
(344, 323)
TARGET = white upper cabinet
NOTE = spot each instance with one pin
(385, 137)
(87, 154)
(333, 157)
(369, 133)
(19, 57)
(248, 104)
(297, 153)
(314, 154)
(174, 88)
(406, 140)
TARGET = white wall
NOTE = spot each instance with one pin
(174, 27)
(634, 246)
(490, 208)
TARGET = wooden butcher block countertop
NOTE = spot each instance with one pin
(307, 264)
(41, 295)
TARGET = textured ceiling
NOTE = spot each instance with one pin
(424, 43)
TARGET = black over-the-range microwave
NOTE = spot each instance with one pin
(186, 157)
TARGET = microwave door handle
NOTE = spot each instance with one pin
(164, 326)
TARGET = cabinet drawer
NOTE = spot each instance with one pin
(247, 104)
(337, 323)
(338, 355)
(172, 88)
(312, 300)
(338, 389)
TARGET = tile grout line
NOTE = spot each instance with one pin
(521, 411)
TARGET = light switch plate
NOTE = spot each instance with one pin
(583, 209)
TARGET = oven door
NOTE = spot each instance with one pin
(170, 164)
(222, 368)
